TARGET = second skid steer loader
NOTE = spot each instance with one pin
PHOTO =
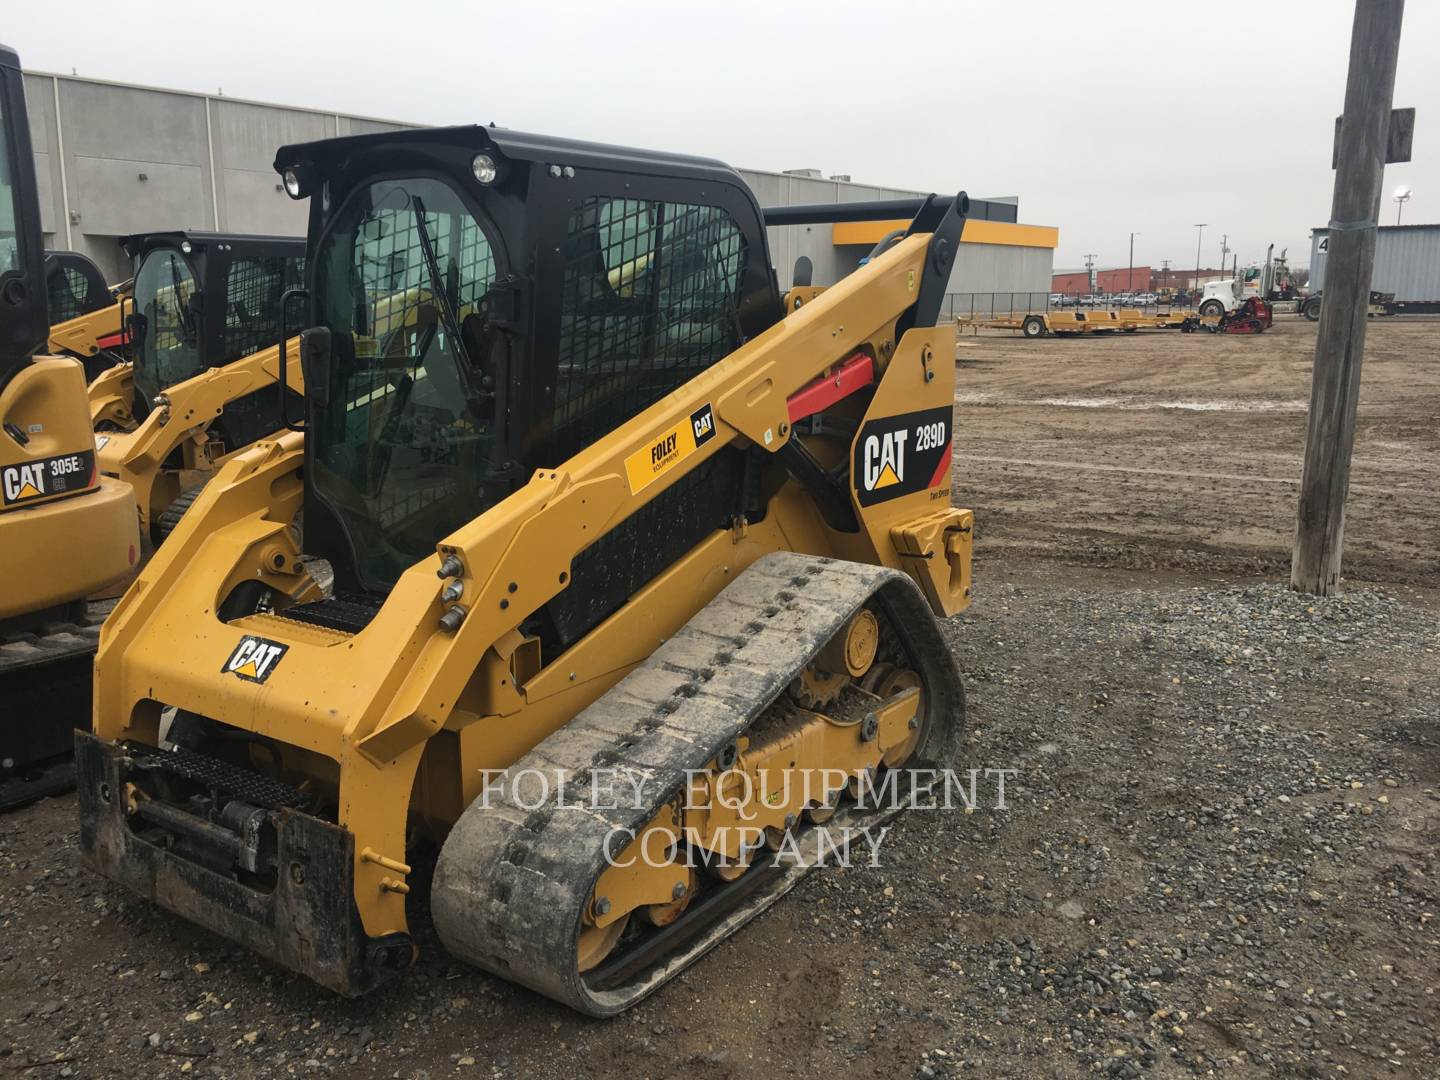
(86, 315)
(636, 563)
(204, 377)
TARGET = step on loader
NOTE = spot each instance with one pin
(65, 531)
(204, 380)
(637, 568)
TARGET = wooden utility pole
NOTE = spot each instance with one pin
(1340, 342)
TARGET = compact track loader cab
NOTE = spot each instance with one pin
(203, 381)
(64, 530)
(613, 524)
(86, 315)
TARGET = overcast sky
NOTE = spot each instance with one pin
(1102, 117)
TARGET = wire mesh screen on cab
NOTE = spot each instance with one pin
(68, 290)
(253, 287)
(650, 298)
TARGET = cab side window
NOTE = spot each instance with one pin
(67, 289)
(650, 299)
(253, 287)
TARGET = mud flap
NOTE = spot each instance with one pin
(307, 922)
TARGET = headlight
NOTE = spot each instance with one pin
(185, 246)
(484, 168)
(292, 184)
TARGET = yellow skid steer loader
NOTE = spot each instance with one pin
(87, 316)
(204, 379)
(637, 564)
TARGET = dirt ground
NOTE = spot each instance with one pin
(1217, 854)
(1160, 448)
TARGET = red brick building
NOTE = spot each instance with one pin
(1125, 279)
(1119, 280)
(1071, 283)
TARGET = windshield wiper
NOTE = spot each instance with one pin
(474, 394)
(187, 321)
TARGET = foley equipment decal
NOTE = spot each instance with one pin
(900, 455)
(669, 448)
(48, 476)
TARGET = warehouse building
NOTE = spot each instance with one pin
(114, 159)
(1107, 280)
(1123, 279)
(1407, 261)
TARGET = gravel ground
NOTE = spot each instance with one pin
(1217, 857)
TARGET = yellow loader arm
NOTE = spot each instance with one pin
(179, 420)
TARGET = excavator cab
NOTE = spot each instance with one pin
(64, 530)
(24, 320)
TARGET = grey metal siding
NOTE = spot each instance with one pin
(1407, 261)
(979, 268)
(206, 163)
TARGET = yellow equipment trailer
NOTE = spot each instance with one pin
(1043, 324)
(204, 378)
(65, 531)
(637, 565)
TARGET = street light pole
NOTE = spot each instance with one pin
(1401, 197)
(1199, 232)
(1130, 271)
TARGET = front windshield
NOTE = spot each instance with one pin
(405, 450)
(167, 346)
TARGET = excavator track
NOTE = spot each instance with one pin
(516, 875)
(45, 679)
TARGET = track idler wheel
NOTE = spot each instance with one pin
(665, 914)
(820, 813)
(598, 942)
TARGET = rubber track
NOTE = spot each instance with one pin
(171, 515)
(53, 640)
(511, 882)
(45, 691)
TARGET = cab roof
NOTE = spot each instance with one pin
(328, 155)
(137, 244)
